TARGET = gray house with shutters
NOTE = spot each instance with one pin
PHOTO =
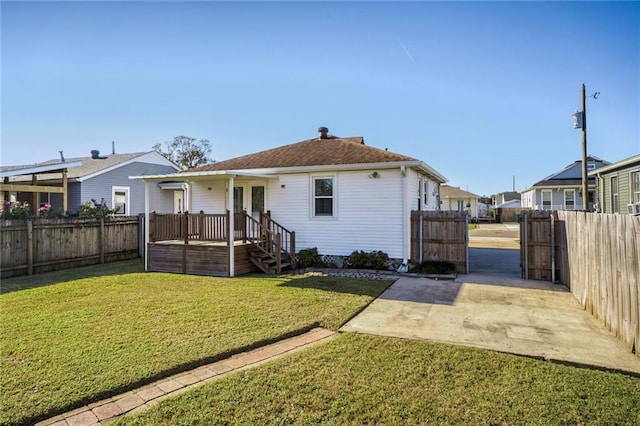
(618, 187)
(105, 178)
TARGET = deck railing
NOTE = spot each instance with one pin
(213, 227)
(188, 227)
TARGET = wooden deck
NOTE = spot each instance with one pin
(198, 258)
(199, 244)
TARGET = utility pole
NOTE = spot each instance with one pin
(585, 186)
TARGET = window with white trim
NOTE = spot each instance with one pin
(323, 188)
(634, 181)
(546, 200)
(120, 200)
(615, 204)
(569, 199)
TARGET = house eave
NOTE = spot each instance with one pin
(34, 170)
(271, 173)
(635, 160)
(196, 176)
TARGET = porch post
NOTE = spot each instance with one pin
(230, 226)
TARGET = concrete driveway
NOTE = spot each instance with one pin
(501, 313)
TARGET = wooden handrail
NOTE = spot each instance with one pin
(272, 238)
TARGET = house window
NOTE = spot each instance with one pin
(635, 186)
(546, 200)
(44, 198)
(323, 197)
(120, 200)
(569, 199)
(460, 205)
(614, 194)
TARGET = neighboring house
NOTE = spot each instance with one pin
(563, 190)
(452, 198)
(504, 197)
(337, 194)
(512, 204)
(96, 177)
(618, 186)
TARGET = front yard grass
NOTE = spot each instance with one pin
(358, 379)
(68, 344)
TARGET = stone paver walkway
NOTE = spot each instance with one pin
(140, 399)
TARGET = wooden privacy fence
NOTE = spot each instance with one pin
(40, 245)
(440, 236)
(597, 256)
(603, 269)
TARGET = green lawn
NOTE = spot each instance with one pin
(81, 340)
(357, 379)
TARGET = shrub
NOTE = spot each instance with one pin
(375, 260)
(308, 258)
(46, 211)
(434, 267)
(15, 211)
(91, 209)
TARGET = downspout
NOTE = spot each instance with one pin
(405, 221)
(230, 239)
(186, 191)
(146, 225)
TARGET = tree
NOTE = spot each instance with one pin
(186, 152)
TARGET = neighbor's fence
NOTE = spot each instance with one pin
(440, 236)
(40, 245)
(597, 256)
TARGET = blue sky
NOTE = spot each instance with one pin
(481, 91)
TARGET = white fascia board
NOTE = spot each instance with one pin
(39, 169)
(344, 167)
(140, 159)
(195, 176)
(271, 173)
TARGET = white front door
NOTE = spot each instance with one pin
(178, 201)
(249, 197)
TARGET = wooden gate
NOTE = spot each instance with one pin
(440, 236)
(541, 253)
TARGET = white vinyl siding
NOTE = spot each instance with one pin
(368, 212)
(208, 197)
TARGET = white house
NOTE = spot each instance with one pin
(336, 193)
(455, 199)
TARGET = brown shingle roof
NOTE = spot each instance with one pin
(311, 152)
(447, 191)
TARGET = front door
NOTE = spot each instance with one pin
(178, 201)
(238, 206)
